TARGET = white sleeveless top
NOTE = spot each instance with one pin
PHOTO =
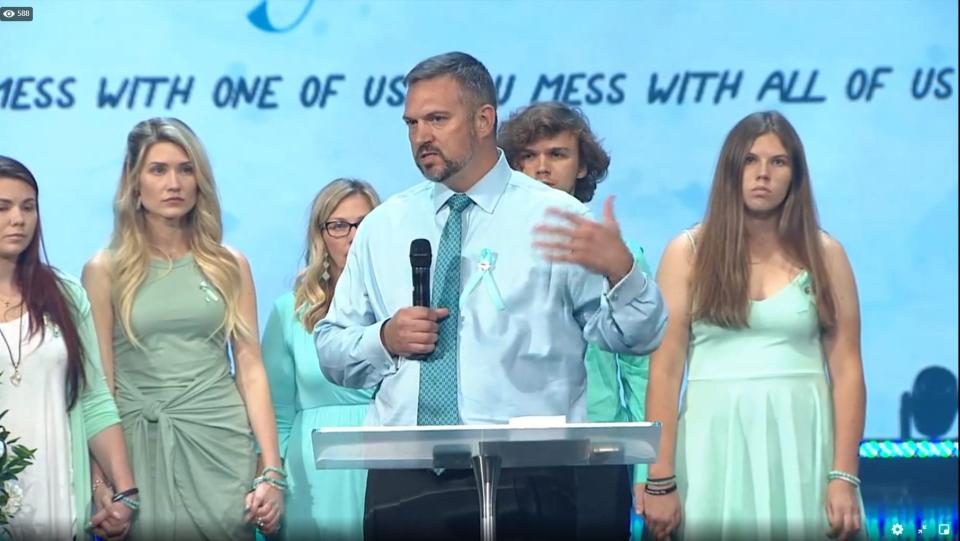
(38, 416)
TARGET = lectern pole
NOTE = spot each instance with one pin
(486, 470)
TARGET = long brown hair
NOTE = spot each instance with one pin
(722, 267)
(42, 291)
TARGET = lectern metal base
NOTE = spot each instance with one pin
(486, 470)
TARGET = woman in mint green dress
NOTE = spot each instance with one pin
(321, 504)
(764, 313)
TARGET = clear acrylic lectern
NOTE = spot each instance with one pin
(486, 449)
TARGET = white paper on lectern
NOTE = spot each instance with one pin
(538, 420)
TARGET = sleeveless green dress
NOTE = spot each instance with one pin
(190, 443)
(755, 436)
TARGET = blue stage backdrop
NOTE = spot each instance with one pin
(288, 95)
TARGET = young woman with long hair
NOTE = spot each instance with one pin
(52, 384)
(764, 316)
(168, 299)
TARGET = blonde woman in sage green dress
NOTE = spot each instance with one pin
(168, 298)
(764, 313)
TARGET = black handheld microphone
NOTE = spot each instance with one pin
(420, 257)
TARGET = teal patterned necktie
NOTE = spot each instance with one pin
(437, 404)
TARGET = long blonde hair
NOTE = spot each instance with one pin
(722, 268)
(130, 254)
(312, 292)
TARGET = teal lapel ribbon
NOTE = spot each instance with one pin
(488, 261)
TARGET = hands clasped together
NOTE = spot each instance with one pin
(263, 506)
(264, 503)
(111, 521)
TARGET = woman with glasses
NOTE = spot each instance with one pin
(321, 504)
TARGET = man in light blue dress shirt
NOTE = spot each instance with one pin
(554, 281)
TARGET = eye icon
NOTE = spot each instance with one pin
(8, 14)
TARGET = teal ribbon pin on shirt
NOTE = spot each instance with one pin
(488, 261)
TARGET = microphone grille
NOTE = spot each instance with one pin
(420, 253)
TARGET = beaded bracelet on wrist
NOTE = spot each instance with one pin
(271, 469)
(660, 491)
(655, 480)
(275, 483)
(844, 476)
(660, 483)
(129, 493)
(133, 505)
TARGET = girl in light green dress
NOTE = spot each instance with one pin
(322, 504)
(168, 299)
(764, 316)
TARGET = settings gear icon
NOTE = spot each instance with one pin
(897, 529)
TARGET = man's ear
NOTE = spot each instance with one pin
(485, 120)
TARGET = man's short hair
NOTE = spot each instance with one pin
(548, 119)
(475, 81)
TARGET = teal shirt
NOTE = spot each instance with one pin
(610, 374)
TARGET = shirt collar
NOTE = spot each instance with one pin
(485, 193)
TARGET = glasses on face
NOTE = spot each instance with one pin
(338, 229)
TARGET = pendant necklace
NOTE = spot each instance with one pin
(17, 376)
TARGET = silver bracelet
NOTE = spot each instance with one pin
(844, 476)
